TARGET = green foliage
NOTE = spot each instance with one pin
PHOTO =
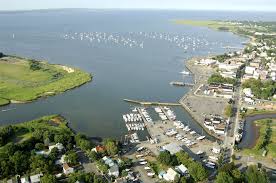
(253, 175)
(102, 166)
(93, 156)
(17, 155)
(34, 65)
(83, 142)
(81, 177)
(228, 111)
(222, 58)
(48, 178)
(112, 146)
(261, 90)
(71, 157)
(218, 79)
(182, 180)
(166, 158)
(99, 179)
(265, 135)
(6, 133)
(224, 177)
(196, 170)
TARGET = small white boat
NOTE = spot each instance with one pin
(185, 72)
(143, 163)
(201, 138)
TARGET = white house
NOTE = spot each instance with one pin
(248, 92)
(170, 175)
(249, 70)
(59, 146)
(25, 180)
(36, 178)
(67, 169)
(113, 167)
(182, 169)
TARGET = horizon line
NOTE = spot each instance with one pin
(163, 9)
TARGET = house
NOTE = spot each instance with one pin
(183, 170)
(228, 67)
(99, 149)
(170, 175)
(173, 148)
(249, 70)
(67, 169)
(248, 92)
(25, 180)
(59, 146)
(113, 167)
(36, 178)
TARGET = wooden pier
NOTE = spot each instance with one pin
(180, 83)
(152, 103)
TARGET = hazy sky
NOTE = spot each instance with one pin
(259, 5)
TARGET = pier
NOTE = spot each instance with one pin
(145, 103)
(179, 83)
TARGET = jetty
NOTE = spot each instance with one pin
(179, 83)
(145, 103)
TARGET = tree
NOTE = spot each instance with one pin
(228, 111)
(71, 157)
(1, 55)
(39, 146)
(39, 164)
(83, 142)
(183, 180)
(20, 162)
(111, 146)
(224, 177)
(165, 158)
(99, 179)
(48, 179)
(81, 177)
(253, 175)
(102, 166)
(197, 171)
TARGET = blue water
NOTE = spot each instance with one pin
(119, 71)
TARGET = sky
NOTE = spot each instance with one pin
(241, 5)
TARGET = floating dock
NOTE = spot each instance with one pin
(152, 103)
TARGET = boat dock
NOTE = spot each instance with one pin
(152, 103)
(180, 83)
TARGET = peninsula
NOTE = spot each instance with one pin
(24, 80)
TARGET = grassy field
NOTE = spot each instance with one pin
(261, 145)
(252, 112)
(19, 82)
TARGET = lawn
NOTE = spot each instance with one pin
(18, 82)
(270, 146)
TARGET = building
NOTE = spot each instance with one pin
(173, 148)
(113, 167)
(25, 180)
(170, 175)
(249, 70)
(248, 92)
(36, 178)
(67, 169)
(183, 170)
(59, 146)
(99, 149)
